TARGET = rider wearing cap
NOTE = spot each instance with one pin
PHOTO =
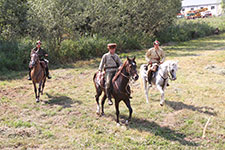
(41, 54)
(110, 62)
(154, 56)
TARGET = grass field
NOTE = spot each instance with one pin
(66, 119)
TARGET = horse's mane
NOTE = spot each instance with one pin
(168, 62)
(119, 71)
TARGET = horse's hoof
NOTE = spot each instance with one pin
(102, 114)
(126, 122)
(37, 101)
(110, 103)
(118, 124)
(161, 104)
(98, 113)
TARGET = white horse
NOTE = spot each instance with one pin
(160, 77)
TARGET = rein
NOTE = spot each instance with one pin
(167, 76)
(128, 77)
(126, 86)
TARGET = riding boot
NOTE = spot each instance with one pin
(108, 94)
(47, 73)
(29, 78)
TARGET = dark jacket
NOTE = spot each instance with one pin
(41, 53)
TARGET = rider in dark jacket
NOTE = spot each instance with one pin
(41, 54)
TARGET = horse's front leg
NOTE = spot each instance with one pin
(35, 91)
(39, 91)
(98, 93)
(43, 86)
(160, 88)
(117, 112)
(146, 88)
(127, 102)
(103, 102)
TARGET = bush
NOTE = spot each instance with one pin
(14, 55)
(85, 47)
(183, 30)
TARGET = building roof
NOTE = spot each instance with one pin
(199, 2)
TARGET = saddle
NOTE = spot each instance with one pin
(146, 67)
(100, 78)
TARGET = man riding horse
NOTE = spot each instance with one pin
(155, 56)
(110, 62)
(41, 54)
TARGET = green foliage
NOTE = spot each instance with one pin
(223, 5)
(50, 19)
(75, 29)
(14, 55)
(85, 47)
(13, 18)
(184, 30)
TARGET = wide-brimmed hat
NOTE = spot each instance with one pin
(156, 42)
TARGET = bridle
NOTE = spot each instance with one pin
(36, 60)
(128, 77)
(169, 73)
(126, 86)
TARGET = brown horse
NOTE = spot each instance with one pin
(37, 75)
(121, 88)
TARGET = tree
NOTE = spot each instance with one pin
(223, 6)
(13, 22)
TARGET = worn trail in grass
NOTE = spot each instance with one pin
(66, 118)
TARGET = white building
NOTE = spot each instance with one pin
(214, 6)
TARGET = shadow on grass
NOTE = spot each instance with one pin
(153, 127)
(181, 105)
(63, 101)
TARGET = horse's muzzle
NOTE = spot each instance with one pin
(32, 63)
(136, 77)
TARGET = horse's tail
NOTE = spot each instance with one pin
(143, 75)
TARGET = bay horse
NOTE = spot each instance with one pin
(120, 86)
(165, 71)
(37, 75)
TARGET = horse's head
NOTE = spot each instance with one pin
(131, 68)
(34, 59)
(173, 69)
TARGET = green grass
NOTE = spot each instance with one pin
(66, 116)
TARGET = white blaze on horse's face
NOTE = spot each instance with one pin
(34, 58)
(173, 70)
(133, 69)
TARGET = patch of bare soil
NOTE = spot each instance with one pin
(170, 119)
(215, 69)
(18, 132)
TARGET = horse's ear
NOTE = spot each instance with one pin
(128, 58)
